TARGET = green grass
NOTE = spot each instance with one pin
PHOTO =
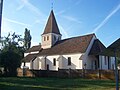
(14, 83)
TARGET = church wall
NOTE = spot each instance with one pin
(27, 64)
(46, 43)
(25, 54)
(92, 61)
(35, 64)
(55, 38)
(22, 64)
(87, 59)
(104, 62)
(41, 61)
(76, 63)
(112, 59)
(49, 39)
(61, 62)
(49, 61)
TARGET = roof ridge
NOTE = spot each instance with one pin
(78, 36)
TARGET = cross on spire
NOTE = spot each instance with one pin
(51, 4)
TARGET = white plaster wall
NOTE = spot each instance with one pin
(61, 62)
(87, 59)
(27, 64)
(34, 52)
(25, 54)
(42, 63)
(104, 66)
(111, 63)
(100, 62)
(35, 64)
(76, 63)
(48, 43)
(91, 62)
(49, 61)
(22, 64)
(112, 59)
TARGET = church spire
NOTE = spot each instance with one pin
(51, 26)
(51, 34)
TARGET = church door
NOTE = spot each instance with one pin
(47, 66)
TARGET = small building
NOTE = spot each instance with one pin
(82, 52)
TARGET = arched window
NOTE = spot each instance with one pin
(69, 60)
(44, 38)
(54, 61)
(47, 37)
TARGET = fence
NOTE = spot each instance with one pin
(70, 73)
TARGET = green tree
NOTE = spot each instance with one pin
(118, 60)
(11, 54)
(27, 39)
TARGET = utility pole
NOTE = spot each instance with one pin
(1, 6)
(116, 71)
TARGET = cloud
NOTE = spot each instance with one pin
(60, 12)
(64, 32)
(30, 6)
(6, 28)
(20, 7)
(16, 22)
(71, 19)
(106, 19)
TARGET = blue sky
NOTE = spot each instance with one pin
(74, 18)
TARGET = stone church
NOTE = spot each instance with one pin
(71, 53)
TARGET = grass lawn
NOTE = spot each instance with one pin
(15, 83)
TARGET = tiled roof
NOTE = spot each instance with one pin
(114, 47)
(29, 57)
(51, 26)
(34, 49)
(66, 46)
(70, 45)
(97, 48)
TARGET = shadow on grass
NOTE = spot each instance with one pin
(53, 83)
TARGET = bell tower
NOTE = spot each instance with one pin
(51, 32)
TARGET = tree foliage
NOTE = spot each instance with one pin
(118, 60)
(11, 54)
(27, 39)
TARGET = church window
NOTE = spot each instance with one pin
(69, 60)
(47, 37)
(44, 38)
(54, 61)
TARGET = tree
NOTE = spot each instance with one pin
(11, 54)
(118, 60)
(11, 60)
(27, 39)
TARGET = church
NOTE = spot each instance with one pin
(82, 52)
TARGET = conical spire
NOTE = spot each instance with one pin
(51, 26)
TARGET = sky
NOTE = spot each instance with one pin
(74, 18)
